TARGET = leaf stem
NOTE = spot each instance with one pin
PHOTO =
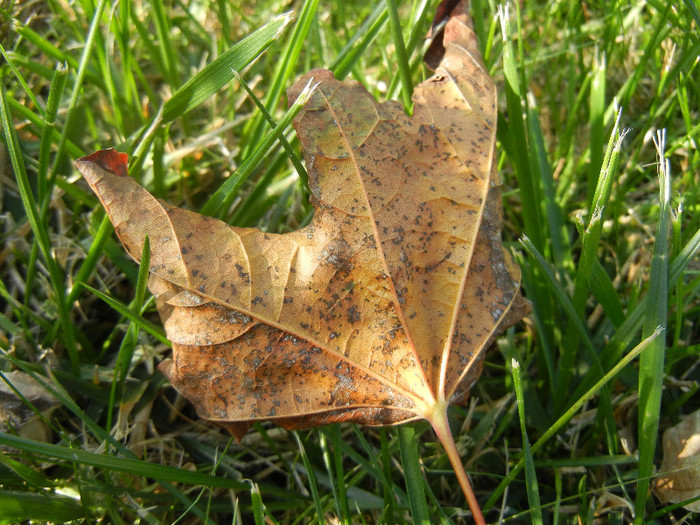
(438, 419)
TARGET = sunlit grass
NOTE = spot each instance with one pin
(608, 358)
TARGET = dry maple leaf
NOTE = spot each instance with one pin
(379, 311)
(680, 468)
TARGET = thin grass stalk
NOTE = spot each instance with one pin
(566, 416)
(220, 71)
(51, 50)
(120, 464)
(401, 56)
(23, 313)
(27, 403)
(515, 98)
(590, 245)
(311, 478)
(256, 203)
(415, 36)
(143, 145)
(387, 493)
(166, 50)
(284, 70)
(90, 262)
(515, 140)
(410, 460)
(556, 513)
(541, 165)
(123, 36)
(55, 92)
(360, 42)
(656, 36)
(77, 85)
(333, 481)
(533, 493)
(693, 9)
(126, 349)
(291, 153)
(38, 123)
(370, 465)
(257, 504)
(103, 63)
(18, 75)
(596, 107)
(44, 183)
(192, 506)
(651, 364)
(124, 310)
(564, 301)
(223, 196)
(40, 232)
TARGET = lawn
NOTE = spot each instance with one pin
(599, 104)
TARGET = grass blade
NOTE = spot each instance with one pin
(651, 364)
(360, 42)
(167, 53)
(22, 111)
(401, 56)
(590, 241)
(283, 72)
(333, 460)
(597, 119)
(257, 503)
(40, 232)
(58, 83)
(10, 62)
(227, 191)
(88, 266)
(79, 78)
(515, 136)
(562, 298)
(17, 507)
(568, 414)
(311, 477)
(124, 310)
(126, 349)
(533, 493)
(413, 473)
(119, 464)
(44, 184)
(216, 74)
(293, 156)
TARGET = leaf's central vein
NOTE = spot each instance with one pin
(427, 398)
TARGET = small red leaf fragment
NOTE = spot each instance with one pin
(110, 160)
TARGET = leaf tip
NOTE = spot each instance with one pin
(286, 19)
(441, 35)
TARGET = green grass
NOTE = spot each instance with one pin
(606, 234)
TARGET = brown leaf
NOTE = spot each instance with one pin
(380, 310)
(25, 406)
(680, 468)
